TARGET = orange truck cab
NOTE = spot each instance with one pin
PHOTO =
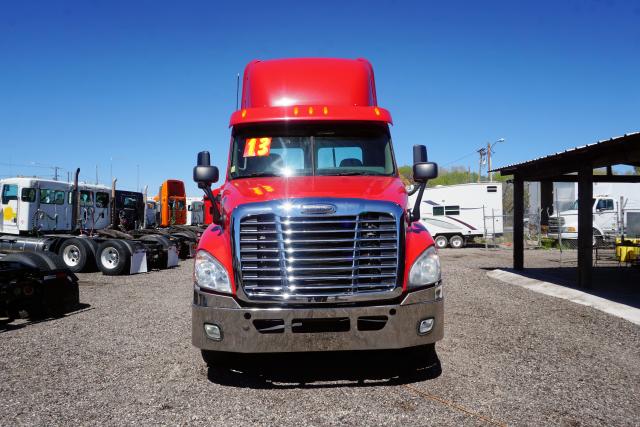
(172, 203)
(313, 245)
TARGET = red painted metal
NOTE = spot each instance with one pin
(309, 88)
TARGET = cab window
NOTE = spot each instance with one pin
(51, 197)
(28, 195)
(605, 205)
(9, 192)
(102, 199)
(86, 198)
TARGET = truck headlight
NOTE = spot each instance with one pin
(425, 269)
(210, 274)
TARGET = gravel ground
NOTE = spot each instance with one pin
(510, 356)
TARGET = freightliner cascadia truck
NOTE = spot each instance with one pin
(313, 246)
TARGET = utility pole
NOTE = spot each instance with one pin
(96, 174)
(138, 178)
(55, 173)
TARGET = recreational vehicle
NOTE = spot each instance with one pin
(455, 214)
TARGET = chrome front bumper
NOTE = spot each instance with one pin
(240, 334)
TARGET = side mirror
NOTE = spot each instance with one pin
(205, 174)
(425, 171)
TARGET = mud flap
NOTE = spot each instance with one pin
(138, 261)
(172, 256)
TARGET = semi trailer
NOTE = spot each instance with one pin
(73, 220)
(456, 214)
(313, 246)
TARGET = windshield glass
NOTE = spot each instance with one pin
(306, 150)
(574, 206)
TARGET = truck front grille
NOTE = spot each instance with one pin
(316, 258)
(555, 223)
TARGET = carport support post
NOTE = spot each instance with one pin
(546, 201)
(585, 225)
(518, 222)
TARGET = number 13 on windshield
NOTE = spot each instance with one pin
(257, 147)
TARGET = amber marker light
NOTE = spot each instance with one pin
(244, 113)
(377, 111)
(325, 110)
(295, 111)
(310, 110)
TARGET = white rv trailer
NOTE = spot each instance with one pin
(39, 215)
(615, 208)
(195, 211)
(454, 214)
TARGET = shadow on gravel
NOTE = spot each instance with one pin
(14, 324)
(324, 370)
(618, 284)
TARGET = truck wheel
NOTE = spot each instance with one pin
(75, 253)
(441, 242)
(216, 359)
(456, 242)
(422, 361)
(113, 257)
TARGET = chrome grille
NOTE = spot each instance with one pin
(555, 223)
(317, 258)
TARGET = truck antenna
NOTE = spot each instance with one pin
(237, 90)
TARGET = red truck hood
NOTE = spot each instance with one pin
(249, 190)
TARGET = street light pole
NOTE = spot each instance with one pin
(489, 150)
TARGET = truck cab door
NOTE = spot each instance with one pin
(101, 210)
(9, 209)
(605, 215)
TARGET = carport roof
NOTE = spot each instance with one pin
(618, 150)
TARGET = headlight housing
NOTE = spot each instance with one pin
(210, 274)
(425, 269)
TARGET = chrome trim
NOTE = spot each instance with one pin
(281, 214)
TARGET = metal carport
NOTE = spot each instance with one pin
(573, 165)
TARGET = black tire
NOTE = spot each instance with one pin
(113, 258)
(456, 242)
(37, 260)
(76, 254)
(216, 359)
(441, 242)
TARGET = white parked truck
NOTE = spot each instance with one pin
(195, 211)
(454, 214)
(73, 220)
(615, 208)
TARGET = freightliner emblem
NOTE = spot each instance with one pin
(317, 209)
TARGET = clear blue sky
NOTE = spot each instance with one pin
(152, 82)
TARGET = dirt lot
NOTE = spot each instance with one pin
(510, 356)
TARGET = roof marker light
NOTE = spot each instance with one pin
(295, 111)
(310, 110)
(377, 111)
(244, 113)
(325, 110)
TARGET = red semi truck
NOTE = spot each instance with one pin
(313, 246)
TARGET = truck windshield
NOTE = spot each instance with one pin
(306, 150)
(574, 206)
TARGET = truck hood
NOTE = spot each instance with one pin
(251, 190)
